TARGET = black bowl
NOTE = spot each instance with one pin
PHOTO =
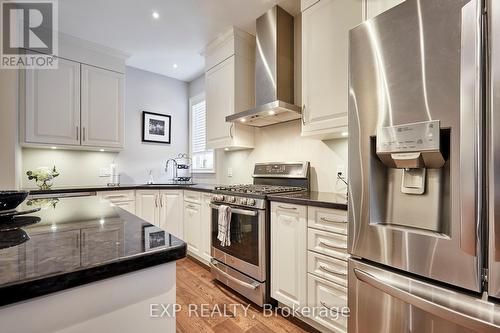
(11, 199)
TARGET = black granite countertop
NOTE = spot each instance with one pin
(74, 241)
(99, 188)
(318, 199)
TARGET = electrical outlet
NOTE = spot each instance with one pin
(341, 170)
(229, 172)
(104, 172)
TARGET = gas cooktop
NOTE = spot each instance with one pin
(258, 189)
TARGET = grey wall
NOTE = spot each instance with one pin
(159, 94)
(143, 91)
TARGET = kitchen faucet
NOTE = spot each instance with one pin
(174, 171)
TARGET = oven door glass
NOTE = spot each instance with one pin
(244, 236)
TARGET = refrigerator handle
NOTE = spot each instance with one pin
(471, 168)
(426, 304)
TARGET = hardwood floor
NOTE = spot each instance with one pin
(196, 287)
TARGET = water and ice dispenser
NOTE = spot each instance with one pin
(410, 175)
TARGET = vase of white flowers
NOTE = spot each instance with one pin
(43, 177)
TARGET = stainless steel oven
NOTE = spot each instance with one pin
(242, 264)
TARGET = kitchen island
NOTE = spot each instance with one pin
(80, 264)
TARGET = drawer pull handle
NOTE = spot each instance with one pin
(324, 219)
(253, 285)
(336, 247)
(332, 271)
(289, 208)
(344, 312)
(116, 196)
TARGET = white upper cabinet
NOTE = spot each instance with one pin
(80, 104)
(102, 107)
(376, 7)
(53, 104)
(325, 42)
(229, 88)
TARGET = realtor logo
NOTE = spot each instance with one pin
(29, 34)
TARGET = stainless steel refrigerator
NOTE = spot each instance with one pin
(424, 169)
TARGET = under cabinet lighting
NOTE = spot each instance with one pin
(101, 221)
(226, 149)
(243, 120)
(344, 134)
(272, 113)
(53, 147)
(156, 15)
(101, 149)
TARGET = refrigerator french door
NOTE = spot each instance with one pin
(418, 169)
(494, 151)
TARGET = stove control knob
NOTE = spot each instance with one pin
(243, 201)
(251, 202)
(218, 198)
(231, 199)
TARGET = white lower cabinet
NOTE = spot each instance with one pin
(206, 227)
(184, 214)
(332, 299)
(197, 225)
(122, 199)
(288, 253)
(172, 212)
(309, 262)
(129, 206)
(163, 208)
(147, 206)
(192, 224)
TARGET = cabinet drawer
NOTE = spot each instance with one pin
(333, 220)
(117, 196)
(333, 270)
(328, 243)
(192, 196)
(324, 294)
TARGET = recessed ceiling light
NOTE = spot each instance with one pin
(156, 15)
(175, 66)
(344, 134)
(272, 113)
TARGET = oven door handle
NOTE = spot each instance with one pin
(252, 286)
(237, 210)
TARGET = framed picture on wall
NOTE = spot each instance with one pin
(156, 127)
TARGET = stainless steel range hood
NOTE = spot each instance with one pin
(274, 67)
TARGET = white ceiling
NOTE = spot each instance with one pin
(177, 37)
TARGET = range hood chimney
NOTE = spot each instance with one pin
(274, 72)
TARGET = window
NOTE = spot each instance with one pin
(203, 158)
